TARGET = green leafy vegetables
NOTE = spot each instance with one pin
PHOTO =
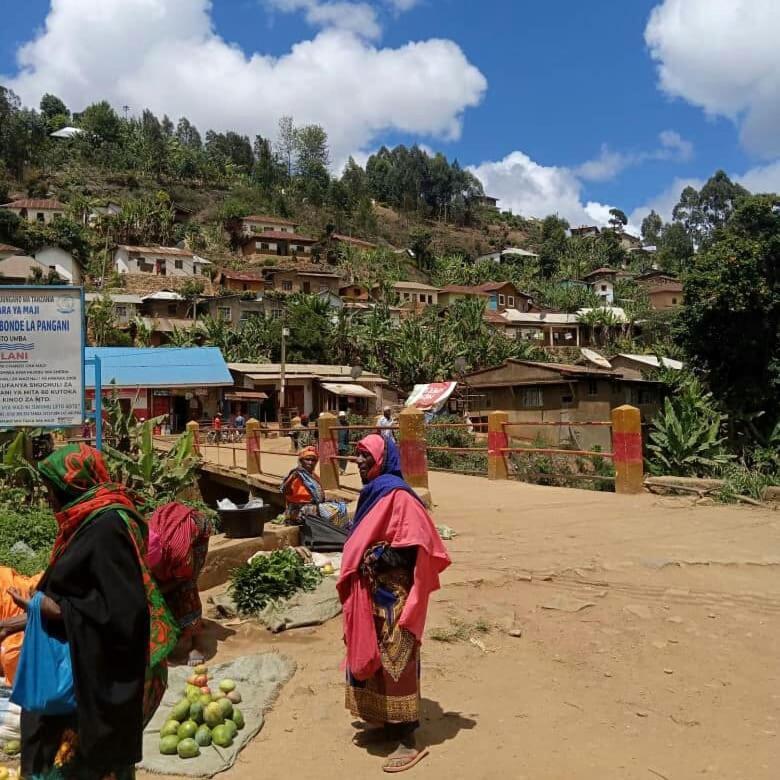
(269, 577)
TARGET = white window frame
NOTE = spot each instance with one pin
(501, 299)
(225, 313)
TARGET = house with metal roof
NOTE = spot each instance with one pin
(184, 383)
(530, 391)
(312, 388)
(42, 210)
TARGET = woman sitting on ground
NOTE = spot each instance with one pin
(304, 496)
(391, 565)
(178, 545)
(100, 597)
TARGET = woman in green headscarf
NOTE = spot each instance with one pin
(100, 597)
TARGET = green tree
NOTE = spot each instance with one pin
(675, 248)
(652, 225)
(553, 244)
(100, 121)
(730, 325)
(617, 219)
(187, 134)
(285, 143)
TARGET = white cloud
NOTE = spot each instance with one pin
(723, 56)
(535, 190)
(606, 166)
(165, 55)
(359, 18)
(675, 146)
(609, 164)
(403, 5)
(762, 179)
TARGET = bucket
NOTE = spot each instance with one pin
(245, 523)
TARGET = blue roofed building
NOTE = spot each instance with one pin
(185, 383)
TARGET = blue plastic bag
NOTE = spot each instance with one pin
(44, 677)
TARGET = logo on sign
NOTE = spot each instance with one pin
(16, 352)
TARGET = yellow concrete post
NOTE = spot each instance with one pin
(194, 428)
(329, 465)
(411, 440)
(253, 447)
(497, 441)
(627, 449)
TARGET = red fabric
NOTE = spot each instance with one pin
(374, 445)
(175, 526)
(308, 452)
(400, 520)
(69, 520)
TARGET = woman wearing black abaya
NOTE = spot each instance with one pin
(99, 596)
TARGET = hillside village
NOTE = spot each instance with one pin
(405, 267)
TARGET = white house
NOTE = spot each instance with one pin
(260, 223)
(125, 306)
(159, 261)
(510, 253)
(602, 282)
(61, 261)
(42, 210)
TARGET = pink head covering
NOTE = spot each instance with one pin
(374, 445)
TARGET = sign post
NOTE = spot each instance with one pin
(41, 357)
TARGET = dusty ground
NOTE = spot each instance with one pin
(649, 646)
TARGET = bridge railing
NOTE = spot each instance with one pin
(410, 431)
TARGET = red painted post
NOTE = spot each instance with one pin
(193, 428)
(329, 466)
(497, 442)
(253, 447)
(411, 442)
(627, 449)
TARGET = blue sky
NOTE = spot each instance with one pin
(561, 83)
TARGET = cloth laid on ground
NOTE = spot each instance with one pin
(259, 677)
(9, 717)
(299, 611)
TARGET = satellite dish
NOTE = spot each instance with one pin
(593, 357)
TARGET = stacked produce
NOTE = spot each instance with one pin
(202, 718)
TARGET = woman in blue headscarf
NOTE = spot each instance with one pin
(391, 565)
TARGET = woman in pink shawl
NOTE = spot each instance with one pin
(391, 565)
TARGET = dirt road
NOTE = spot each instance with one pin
(649, 647)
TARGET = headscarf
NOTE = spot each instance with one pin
(384, 477)
(308, 452)
(79, 476)
(172, 529)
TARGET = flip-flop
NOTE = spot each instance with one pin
(391, 769)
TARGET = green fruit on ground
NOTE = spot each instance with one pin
(213, 715)
(170, 728)
(188, 748)
(234, 697)
(187, 729)
(232, 728)
(12, 747)
(201, 669)
(226, 707)
(205, 700)
(168, 745)
(193, 693)
(227, 685)
(238, 718)
(203, 736)
(181, 711)
(220, 736)
(196, 712)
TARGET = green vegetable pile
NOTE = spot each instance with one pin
(36, 527)
(268, 577)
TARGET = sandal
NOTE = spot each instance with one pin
(401, 763)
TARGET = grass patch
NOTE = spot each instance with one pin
(460, 631)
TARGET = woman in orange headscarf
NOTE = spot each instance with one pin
(303, 493)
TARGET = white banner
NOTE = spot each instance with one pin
(41, 357)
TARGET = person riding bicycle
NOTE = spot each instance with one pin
(217, 426)
(239, 422)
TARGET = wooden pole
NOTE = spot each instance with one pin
(253, 464)
(194, 428)
(497, 442)
(329, 467)
(411, 437)
(627, 449)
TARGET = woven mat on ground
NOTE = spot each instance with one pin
(300, 610)
(259, 678)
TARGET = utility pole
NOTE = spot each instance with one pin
(282, 389)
